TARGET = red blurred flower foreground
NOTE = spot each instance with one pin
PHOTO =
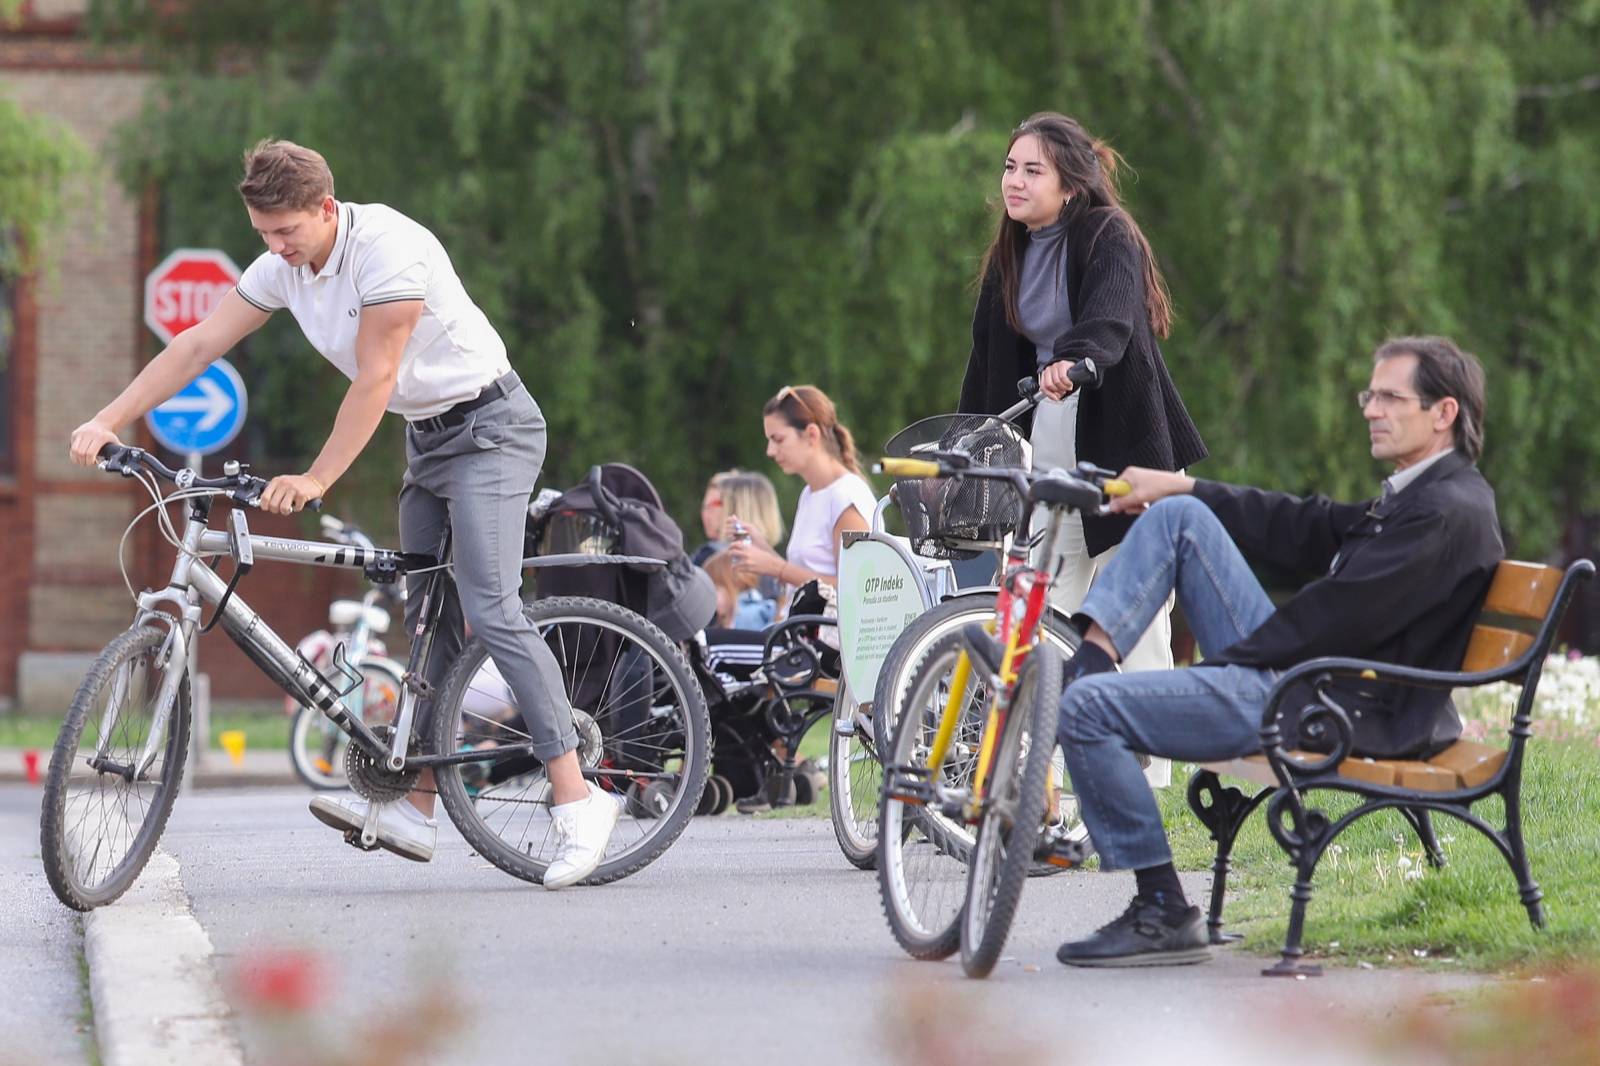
(279, 980)
(1551, 1019)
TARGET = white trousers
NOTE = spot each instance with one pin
(1055, 445)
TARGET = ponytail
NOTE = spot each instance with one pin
(845, 448)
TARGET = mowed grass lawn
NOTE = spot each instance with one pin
(264, 726)
(1377, 899)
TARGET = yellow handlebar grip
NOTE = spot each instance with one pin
(909, 467)
(1117, 487)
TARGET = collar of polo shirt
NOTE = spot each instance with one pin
(341, 242)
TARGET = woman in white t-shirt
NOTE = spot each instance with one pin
(805, 437)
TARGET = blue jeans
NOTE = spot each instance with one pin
(1198, 714)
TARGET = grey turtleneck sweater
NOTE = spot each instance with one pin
(1042, 303)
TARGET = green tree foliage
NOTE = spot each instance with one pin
(36, 159)
(670, 209)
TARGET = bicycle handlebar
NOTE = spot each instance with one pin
(958, 465)
(245, 488)
(1028, 389)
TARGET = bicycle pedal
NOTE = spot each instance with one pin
(353, 838)
(908, 785)
(1066, 854)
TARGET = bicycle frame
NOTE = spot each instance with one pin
(1022, 585)
(194, 583)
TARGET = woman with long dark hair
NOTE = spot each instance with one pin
(1070, 292)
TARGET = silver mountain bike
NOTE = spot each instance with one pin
(119, 758)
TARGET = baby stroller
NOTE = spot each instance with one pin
(764, 690)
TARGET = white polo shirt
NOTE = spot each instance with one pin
(380, 256)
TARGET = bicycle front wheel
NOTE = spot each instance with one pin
(643, 729)
(910, 656)
(317, 746)
(923, 847)
(1014, 806)
(104, 807)
(855, 778)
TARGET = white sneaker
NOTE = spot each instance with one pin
(583, 829)
(406, 833)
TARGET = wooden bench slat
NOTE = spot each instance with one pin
(1256, 768)
(1465, 764)
(1492, 647)
(1375, 771)
(1471, 761)
(1524, 590)
(1424, 776)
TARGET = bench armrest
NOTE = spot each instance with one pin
(1327, 713)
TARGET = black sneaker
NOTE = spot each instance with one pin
(1147, 934)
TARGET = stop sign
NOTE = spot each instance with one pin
(185, 288)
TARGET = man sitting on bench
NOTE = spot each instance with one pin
(1401, 579)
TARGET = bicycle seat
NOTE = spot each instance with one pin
(1059, 489)
(348, 612)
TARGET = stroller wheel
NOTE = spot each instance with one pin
(651, 800)
(724, 793)
(807, 783)
(710, 798)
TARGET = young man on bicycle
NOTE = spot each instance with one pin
(375, 293)
(1401, 577)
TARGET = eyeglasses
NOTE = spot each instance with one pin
(1386, 398)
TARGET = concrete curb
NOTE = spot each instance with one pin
(155, 991)
(216, 770)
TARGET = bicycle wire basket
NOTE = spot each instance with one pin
(949, 518)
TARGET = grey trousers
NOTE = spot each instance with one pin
(478, 476)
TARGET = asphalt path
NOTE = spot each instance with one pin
(42, 995)
(750, 940)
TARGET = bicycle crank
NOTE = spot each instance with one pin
(371, 779)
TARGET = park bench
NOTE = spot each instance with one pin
(1514, 632)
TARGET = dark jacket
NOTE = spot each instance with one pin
(1130, 413)
(1401, 583)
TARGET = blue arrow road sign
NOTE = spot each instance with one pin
(205, 416)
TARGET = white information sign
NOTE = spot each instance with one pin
(879, 595)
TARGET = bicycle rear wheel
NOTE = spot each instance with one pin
(855, 778)
(1014, 811)
(643, 732)
(102, 814)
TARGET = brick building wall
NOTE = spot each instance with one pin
(79, 338)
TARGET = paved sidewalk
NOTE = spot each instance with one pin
(751, 939)
(43, 1001)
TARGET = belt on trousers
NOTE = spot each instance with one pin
(504, 385)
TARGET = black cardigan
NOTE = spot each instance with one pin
(1130, 413)
(1400, 582)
